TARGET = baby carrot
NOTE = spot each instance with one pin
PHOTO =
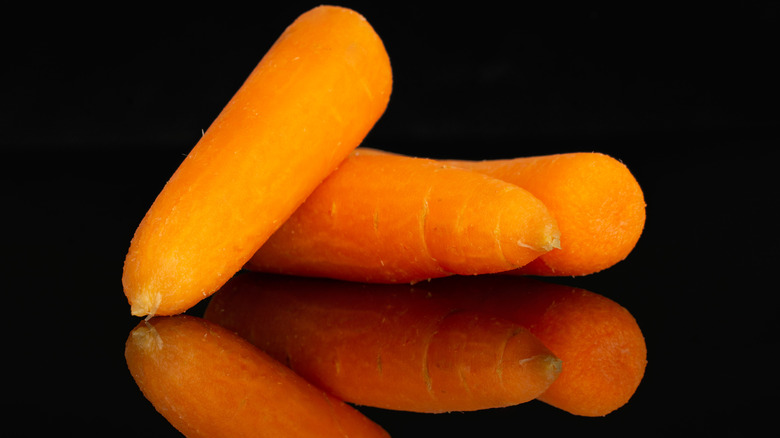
(208, 382)
(395, 219)
(600, 343)
(386, 345)
(597, 202)
(309, 102)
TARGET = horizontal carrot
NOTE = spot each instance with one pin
(395, 219)
(309, 102)
(600, 343)
(386, 346)
(208, 382)
(597, 202)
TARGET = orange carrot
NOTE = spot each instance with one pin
(208, 382)
(387, 346)
(395, 219)
(309, 102)
(597, 202)
(600, 343)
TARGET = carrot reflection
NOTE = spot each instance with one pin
(600, 343)
(457, 343)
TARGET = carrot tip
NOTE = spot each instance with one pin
(556, 243)
(552, 240)
(554, 366)
(548, 363)
(146, 304)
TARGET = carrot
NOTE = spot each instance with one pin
(208, 382)
(597, 202)
(309, 102)
(396, 219)
(600, 343)
(386, 346)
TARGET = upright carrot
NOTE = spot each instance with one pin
(597, 202)
(600, 343)
(208, 382)
(387, 346)
(395, 219)
(309, 102)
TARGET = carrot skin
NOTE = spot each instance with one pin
(387, 346)
(309, 102)
(600, 343)
(208, 382)
(597, 202)
(395, 219)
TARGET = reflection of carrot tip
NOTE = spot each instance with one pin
(387, 346)
(598, 204)
(310, 101)
(600, 343)
(395, 219)
(208, 382)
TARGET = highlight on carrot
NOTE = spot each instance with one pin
(310, 101)
(597, 202)
(386, 345)
(600, 343)
(208, 382)
(384, 218)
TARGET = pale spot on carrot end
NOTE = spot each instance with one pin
(146, 304)
(552, 241)
(554, 366)
(550, 363)
(146, 338)
(525, 245)
(556, 242)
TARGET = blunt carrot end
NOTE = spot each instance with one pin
(146, 303)
(596, 201)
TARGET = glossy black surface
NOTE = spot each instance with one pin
(96, 115)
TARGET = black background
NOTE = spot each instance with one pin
(98, 110)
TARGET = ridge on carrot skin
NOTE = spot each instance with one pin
(309, 102)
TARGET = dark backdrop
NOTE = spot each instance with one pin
(99, 106)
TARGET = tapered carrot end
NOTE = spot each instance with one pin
(526, 230)
(551, 366)
(551, 238)
(145, 304)
(533, 371)
(149, 296)
(476, 361)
